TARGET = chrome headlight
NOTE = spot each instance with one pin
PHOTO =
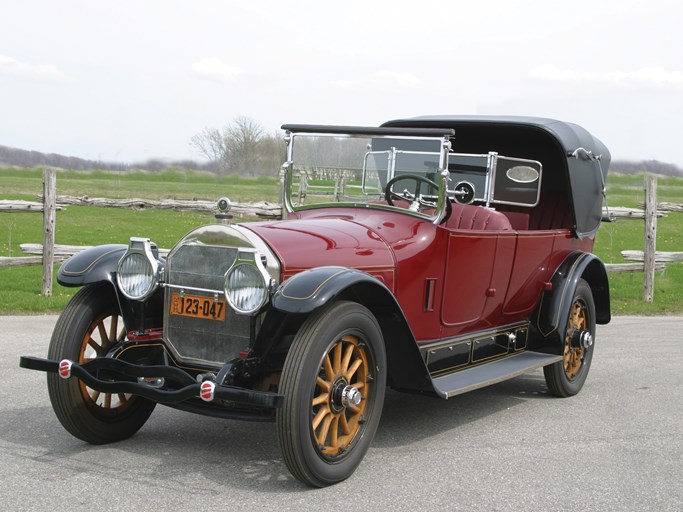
(247, 284)
(136, 274)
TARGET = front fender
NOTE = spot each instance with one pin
(98, 264)
(91, 265)
(553, 310)
(311, 289)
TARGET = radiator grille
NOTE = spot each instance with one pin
(200, 341)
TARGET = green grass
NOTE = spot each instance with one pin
(78, 225)
(627, 289)
(93, 226)
(171, 184)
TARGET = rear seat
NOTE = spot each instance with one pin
(469, 216)
(550, 214)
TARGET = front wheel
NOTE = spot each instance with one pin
(566, 377)
(333, 380)
(90, 325)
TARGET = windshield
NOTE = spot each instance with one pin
(332, 169)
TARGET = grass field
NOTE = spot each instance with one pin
(93, 226)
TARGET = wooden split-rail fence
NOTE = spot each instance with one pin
(48, 254)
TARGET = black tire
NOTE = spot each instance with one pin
(566, 378)
(323, 435)
(87, 327)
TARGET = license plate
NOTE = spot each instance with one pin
(196, 306)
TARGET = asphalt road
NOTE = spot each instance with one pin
(615, 446)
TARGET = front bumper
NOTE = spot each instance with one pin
(109, 375)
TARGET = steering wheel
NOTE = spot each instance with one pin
(415, 199)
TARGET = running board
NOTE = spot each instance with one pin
(491, 373)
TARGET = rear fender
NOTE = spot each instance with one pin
(312, 289)
(552, 313)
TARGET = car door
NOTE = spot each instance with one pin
(479, 256)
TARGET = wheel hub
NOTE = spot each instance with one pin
(344, 395)
(351, 397)
(581, 339)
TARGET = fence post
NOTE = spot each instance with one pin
(49, 214)
(650, 236)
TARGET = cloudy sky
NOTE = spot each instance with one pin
(132, 80)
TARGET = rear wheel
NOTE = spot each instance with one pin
(89, 325)
(334, 382)
(566, 377)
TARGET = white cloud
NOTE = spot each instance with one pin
(646, 77)
(215, 69)
(10, 66)
(380, 78)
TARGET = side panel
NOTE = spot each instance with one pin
(529, 272)
(477, 273)
(538, 256)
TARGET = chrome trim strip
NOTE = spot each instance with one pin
(437, 344)
(192, 289)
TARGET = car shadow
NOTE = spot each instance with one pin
(409, 418)
(175, 447)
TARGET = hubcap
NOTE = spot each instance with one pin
(351, 397)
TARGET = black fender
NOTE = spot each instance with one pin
(311, 289)
(91, 265)
(314, 288)
(98, 264)
(552, 312)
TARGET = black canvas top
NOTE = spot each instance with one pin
(566, 151)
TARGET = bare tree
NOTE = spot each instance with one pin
(241, 147)
(273, 153)
(243, 143)
(211, 144)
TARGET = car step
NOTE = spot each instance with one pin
(491, 373)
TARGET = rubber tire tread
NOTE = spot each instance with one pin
(65, 395)
(291, 381)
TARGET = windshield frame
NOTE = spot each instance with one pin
(440, 136)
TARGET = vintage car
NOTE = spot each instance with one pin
(433, 255)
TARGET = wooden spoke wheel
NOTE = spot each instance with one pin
(566, 377)
(334, 382)
(104, 332)
(341, 392)
(573, 356)
(87, 328)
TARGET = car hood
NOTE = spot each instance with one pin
(307, 243)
